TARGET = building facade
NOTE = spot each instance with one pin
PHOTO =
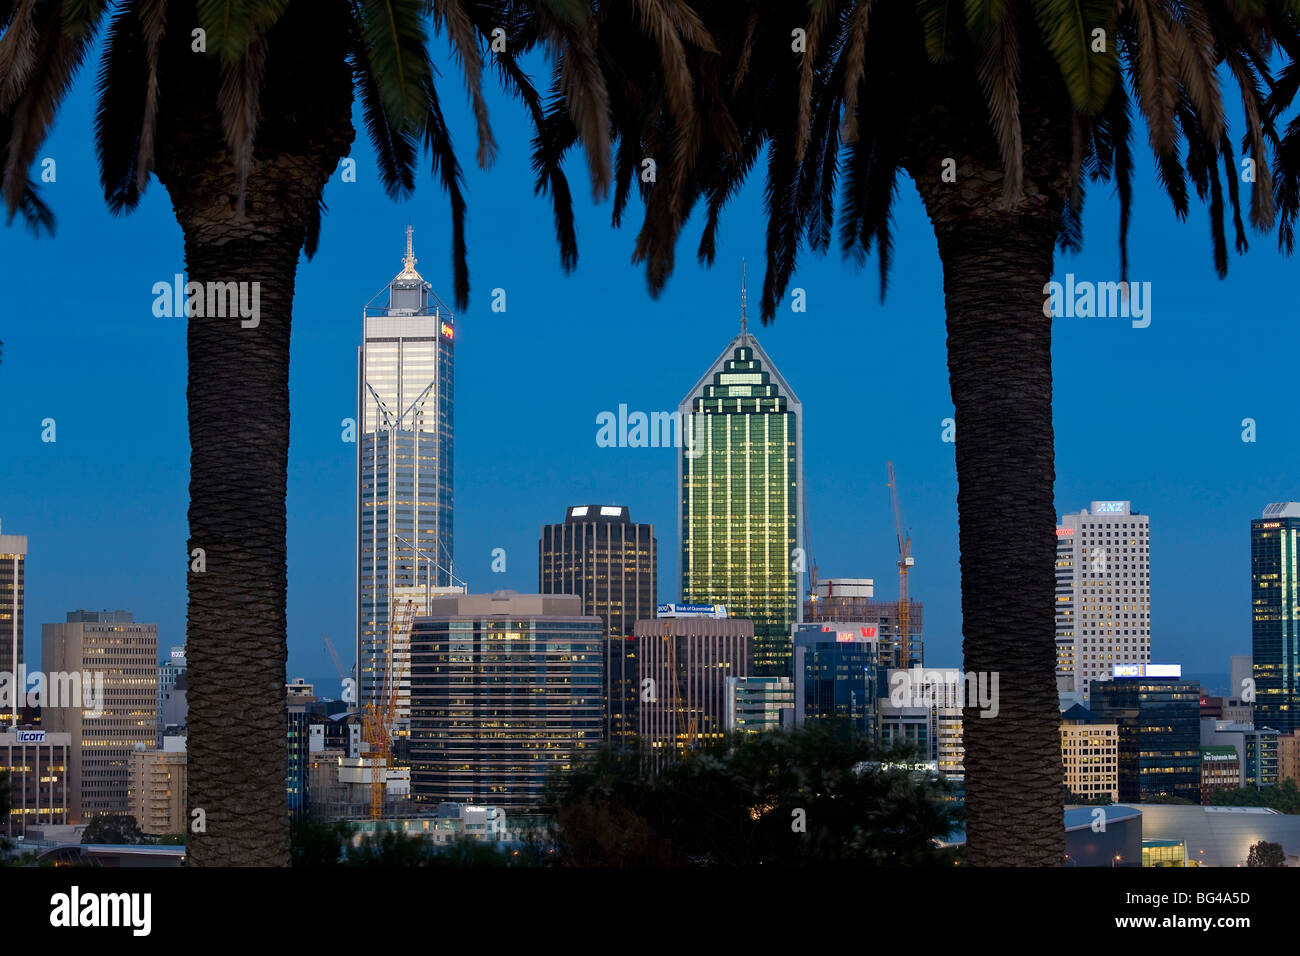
(1220, 770)
(1288, 757)
(1103, 594)
(158, 788)
(835, 675)
(13, 572)
(506, 689)
(841, 600)
(609, 562)
(36, 763)
(404, 473)
(740, 475)
(117, 654)
(756, 705)
(1159, 735)
(1275, 616)
(683, 665)
(1089, 755)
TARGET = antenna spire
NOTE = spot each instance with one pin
(409, 260)
(744, 319)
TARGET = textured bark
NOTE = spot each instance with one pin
(238, 396)
(996, 260)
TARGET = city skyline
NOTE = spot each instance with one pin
(1166, 400)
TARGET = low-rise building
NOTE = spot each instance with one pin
(36, 762)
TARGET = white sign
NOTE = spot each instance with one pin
(31, 736)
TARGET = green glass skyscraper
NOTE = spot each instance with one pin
(1275, 616)
(740, 472)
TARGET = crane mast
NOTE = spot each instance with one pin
(905, 563)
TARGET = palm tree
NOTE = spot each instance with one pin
(1000, 111)
(243, 123)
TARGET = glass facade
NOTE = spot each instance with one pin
(1275, 617)
(13, 566)
(741, 498)
(835, 673)
(1159, 735)
(404, 472)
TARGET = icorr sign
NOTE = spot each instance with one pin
(31, 736)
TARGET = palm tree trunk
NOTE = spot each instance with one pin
(1000, 373)
(239, 438)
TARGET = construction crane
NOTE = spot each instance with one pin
(378, 715)
(683, 730)
(334, 656)
(808, 550)
(905, 562)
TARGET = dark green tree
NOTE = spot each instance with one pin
(317, 844)
(1265, 853)
(112, 828)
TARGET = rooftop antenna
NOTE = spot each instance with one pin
(744, 319)
(409, 260)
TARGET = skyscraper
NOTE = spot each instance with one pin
(852, 600)
(835, 675)
(1159, 734)
(116, 656)
(13, 564)
(404, 471)
(1274, 621)
(610, 563)
(1103, 594)
(741, 475)
(683, 663)
(506, 689)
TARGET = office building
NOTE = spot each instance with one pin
(115, 658)
(170, 669)
(1288, 757)
(1275, 626)
(835, 674)
(1257, 749)
(158, 787)
(609, 562)
(35, 762)
(13, 570)
(846, 600)
(1089, 756)
(404, 474)
(506, 689)
(740, 473)
(759, 704)
(936, 694)
(683, 666)
(1103, 594)
(299, 696)
(1220, 770)
(1159, 732)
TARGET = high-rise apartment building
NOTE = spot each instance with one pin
(506, 689)
(740, 473)
(609, 562)
(1089, 755)
(1275, 623)
(683, 666)
(1103, 594)
(115, 659)
(849, 600)
(158, 787)
(13, 563)
(404, 473)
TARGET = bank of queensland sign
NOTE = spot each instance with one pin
(692, 610)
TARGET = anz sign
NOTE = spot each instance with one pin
(1110, 507)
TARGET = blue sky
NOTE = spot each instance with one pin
(1152, 415)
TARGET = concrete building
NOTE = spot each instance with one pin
(119, 655)
(852, 600)
(1220, 770)
(1288, 757)
(404, 436)
(13, 572)
(1275, 628)
(36, 763)
(1221, 836)
(1089, 755)
(600, 555)
(506, 689)
(1103, 594)
(170, 668)
(687, 661)
(740, 482)
(158, 791)
(1159, 732)
(758, 704)
(1256, 748)
(937, 696)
